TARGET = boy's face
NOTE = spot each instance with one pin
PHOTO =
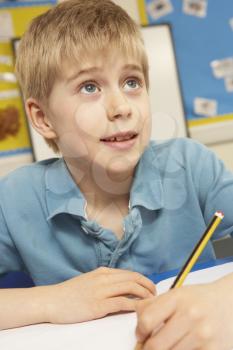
(100, 113)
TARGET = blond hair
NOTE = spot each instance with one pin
(71, 31)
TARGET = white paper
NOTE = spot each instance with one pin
(6, 60)
(6, 94)
(8, 77)
(113, 332)
(6, 27)
(199, 277)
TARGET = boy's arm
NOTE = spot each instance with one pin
(22, 306)
(10, 259)
(89, 296)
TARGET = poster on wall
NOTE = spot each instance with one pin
(15, 141)
(14, 138)
(15, 145)
(203, 37)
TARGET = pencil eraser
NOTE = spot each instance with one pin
(219, 214)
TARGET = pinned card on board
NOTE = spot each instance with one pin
(205, 107)
(229, 83)
(159, 8)
(196, 8)
(222, 68)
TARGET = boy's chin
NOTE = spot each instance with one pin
(114, 175)
(123, 166)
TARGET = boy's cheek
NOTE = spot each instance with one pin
(146, 129)
(72, 145)
(91, 120)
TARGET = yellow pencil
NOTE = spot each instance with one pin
(217, 218)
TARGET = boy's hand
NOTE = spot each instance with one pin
(95, 294)
(192, 317)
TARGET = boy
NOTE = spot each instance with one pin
(114, 203)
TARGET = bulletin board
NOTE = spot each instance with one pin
(15, 140)
(203, 36)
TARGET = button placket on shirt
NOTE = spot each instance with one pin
(132, 228)
(104, 240)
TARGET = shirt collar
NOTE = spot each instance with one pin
(64, 196)
(147, 190)
(62, 193)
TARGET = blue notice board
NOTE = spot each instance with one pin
(198, 42)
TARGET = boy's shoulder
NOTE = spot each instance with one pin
(180, 150)
(26, 177)
(181, 144)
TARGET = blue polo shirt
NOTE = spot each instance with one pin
(177, 187)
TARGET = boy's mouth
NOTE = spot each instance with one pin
(120, 141)
(120, 137)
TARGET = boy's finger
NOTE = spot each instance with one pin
(145, 282)
(128, 288)
(189, 342)
(113, 305)
(124, 275)
(154, 315)
(141, 304)
(169, 333)
(110, 270)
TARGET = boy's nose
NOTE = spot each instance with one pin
(118, 107)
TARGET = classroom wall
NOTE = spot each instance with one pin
(223, 150)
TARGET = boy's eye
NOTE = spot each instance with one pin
(89, 88)
(132, 84)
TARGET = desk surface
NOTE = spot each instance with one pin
(112, 332)
(198, 266)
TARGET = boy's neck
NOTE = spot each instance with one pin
(98, 193)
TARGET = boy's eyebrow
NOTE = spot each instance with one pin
(95, 69)
(81, 72)
(133, 67)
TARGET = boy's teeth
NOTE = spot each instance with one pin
(119, 138)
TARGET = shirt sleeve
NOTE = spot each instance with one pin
(9, 257)
(215, 188)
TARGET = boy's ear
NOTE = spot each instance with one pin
(38, 118)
